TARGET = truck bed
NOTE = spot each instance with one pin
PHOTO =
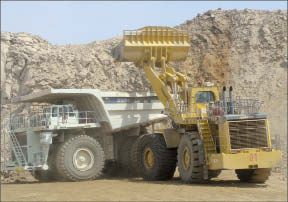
(114, 109)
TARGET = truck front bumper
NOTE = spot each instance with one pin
(245, 160)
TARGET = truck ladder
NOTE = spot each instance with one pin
(21, 160)
(205, 132)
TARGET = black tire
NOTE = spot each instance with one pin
(213, 173)
(191, 170)
(67, 151)
(112, 169)
(163, 163)
(125, 158)
(259, 175)
(134, 155)
(44, 175)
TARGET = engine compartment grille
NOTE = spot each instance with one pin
(248, 134)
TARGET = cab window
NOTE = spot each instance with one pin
(54, 112)
(60, 111)
(204, 97)
(71, 113)
(65, 111)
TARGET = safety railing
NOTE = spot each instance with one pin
(51, 119)
(237, 106)
(193, 109)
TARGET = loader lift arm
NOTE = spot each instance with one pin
(152, 48)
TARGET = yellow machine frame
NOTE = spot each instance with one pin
(151, 48)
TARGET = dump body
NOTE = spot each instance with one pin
(114, 110)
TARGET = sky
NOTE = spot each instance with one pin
(78, 22)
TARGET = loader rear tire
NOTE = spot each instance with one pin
(190, 168)
(79, 158)
(259, 175)
(154, 159)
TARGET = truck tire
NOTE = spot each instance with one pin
(190, 168)
(125, 158)
(111, 169)
(44, 175)
(154, 159)
(80, 158)
(134, 155)
(259, 175)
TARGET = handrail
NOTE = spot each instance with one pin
(239, 106)
(46, 119)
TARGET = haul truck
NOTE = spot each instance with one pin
(77, 134)
(210, 132)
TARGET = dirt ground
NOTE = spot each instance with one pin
(224, 188)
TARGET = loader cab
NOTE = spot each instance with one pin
(201, 97)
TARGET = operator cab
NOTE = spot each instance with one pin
(55, 115)
(62, 114)
(201, 97)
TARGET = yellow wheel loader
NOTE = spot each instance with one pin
(211, 131)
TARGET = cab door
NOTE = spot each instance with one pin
(72, 115)
(63, 118)
(54, 116)
(202, 100)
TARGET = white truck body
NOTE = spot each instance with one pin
(103, 115)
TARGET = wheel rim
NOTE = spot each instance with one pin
(83, 159)
(186, 158)
(148, 158)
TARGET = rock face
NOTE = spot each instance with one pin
(246, 49)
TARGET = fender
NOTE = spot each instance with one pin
(171, 137)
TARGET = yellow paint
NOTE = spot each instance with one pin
(149, 159)
(187, 158)
(19, 170)
(261, 159)
(152, 48)
(224, 138)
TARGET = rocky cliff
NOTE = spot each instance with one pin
(246, 49)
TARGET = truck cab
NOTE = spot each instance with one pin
(62, 114)
(56, 115)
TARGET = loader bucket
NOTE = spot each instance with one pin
(133, 47)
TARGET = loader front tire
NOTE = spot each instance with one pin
(259, 175)
(155, 161)
(189, 165)
(80, 158)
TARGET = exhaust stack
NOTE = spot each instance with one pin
(224, 100)
(231, 100)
